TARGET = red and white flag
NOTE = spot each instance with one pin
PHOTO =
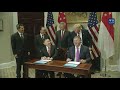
(62, 18)
(106, 36)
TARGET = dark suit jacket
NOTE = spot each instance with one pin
(19, 47)
(65, 41)
(53, 51)
(39, 43)
(84, 53)
(86, 38)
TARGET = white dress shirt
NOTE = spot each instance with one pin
(47, 48)
(42, 36)
(76, 51)
(20, 34)
(63, 32)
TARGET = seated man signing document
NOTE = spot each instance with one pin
(77, 53)
(48, 52)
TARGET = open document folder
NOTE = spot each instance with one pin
(42, 61)
(71, 64)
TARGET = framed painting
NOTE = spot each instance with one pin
(79, 17)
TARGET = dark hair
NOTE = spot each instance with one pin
(45, 39)
(18, 26)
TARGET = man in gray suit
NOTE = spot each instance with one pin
(78, 53)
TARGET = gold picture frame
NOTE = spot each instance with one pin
(79, 17)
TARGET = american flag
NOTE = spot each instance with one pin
(94, 31)
(50, 26)
(62, 18)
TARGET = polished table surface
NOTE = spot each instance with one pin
(58, 66)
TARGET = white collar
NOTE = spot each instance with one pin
(19, 33)
(47, 47)
(41, 34)
(63, 30)
(78, 47)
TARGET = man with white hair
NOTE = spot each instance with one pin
(77, 53)
(86, 39)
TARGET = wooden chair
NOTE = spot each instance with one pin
(62, 55)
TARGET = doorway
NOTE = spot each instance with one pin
(32, 22)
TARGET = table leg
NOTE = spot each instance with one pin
(88, 75)
(26, 71)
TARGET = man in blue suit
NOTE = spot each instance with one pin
(77, 53)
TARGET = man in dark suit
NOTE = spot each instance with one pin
(20, 48)
(86, 39)
(62, 37)
(39, 41)
(48, 52)
(79, 30)
(78, 53)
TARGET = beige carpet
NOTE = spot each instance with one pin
(11, 73)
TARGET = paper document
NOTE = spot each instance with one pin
(46, 60)
(72, 62)
(70, 65)
(42, 61)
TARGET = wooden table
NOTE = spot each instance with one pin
(57, 66)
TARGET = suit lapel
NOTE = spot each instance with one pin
(45, 51)
(18, 37)
(40, 39)
(51, 51)
(83, 35)
(74, 52)
(59, 34)
(81, 51)
(64, 34)
(74, 34)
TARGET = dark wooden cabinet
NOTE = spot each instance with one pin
(32, 22)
